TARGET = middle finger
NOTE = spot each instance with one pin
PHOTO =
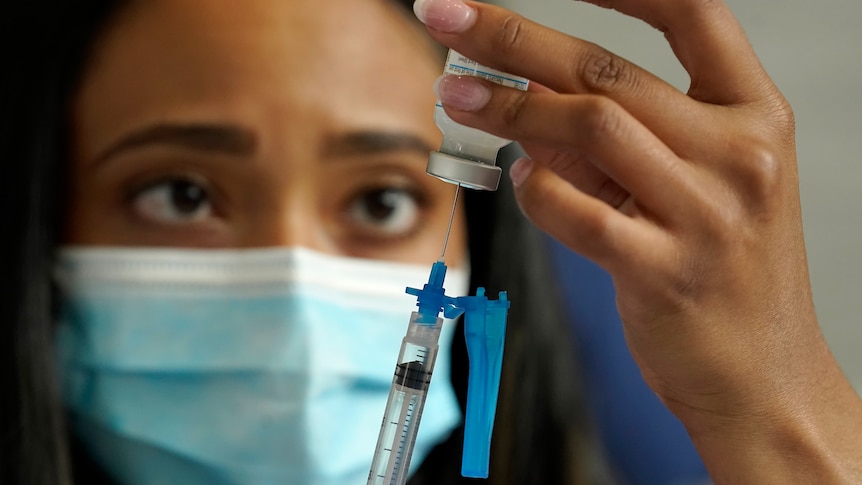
(589, 126)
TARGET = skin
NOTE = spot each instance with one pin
(691, 202)
(261, 123)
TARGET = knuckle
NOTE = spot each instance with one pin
(601, 71)
(611, 193)
(761, 169)
(602, 228)
(511, 32)
(514, 111)
(765, 172)
(605, 233)
(598, 118)
(755, 181)
(570, 166)
(781, 113)
(560, 161)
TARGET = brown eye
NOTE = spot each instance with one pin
(388, 211)
(175, 201)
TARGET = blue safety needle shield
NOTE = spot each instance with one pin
(485, 332)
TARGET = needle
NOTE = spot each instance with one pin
(451, 217)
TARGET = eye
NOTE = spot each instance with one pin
(388, 211)
(174, 201)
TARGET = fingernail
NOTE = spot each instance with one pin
(450, 16)
(520, 170)
(465, 93)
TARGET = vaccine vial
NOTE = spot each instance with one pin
(467, 156)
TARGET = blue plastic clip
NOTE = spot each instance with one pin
(432, 299)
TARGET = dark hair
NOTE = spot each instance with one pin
(540, 428)
(44, 46)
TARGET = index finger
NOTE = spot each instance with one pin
(703, 34)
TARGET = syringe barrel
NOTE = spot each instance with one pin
(406, 401)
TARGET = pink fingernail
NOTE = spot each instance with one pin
(450, 16)
(465, 93)
(520, 170)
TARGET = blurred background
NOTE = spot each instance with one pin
(812, 51)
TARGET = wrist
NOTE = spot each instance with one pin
(802, 435)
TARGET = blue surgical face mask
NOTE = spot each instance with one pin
(212, 367)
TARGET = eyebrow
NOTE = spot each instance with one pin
(216, 138)
(374, 142)
(234, 140)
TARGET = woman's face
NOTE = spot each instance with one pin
(261, 123)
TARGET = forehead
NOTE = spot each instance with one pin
(338, 58)
(264, 26)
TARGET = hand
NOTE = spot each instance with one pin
(690, 201)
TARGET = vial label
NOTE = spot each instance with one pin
(464, 66)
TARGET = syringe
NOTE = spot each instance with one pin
(484, 333)
(413, 372)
